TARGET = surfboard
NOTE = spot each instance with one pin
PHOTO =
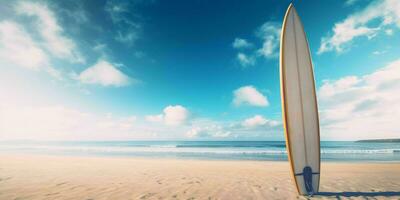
(299, 105)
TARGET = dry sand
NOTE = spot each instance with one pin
(63, 177)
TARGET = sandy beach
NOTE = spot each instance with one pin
(63, 177)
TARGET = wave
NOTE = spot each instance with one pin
(361, 151)
(188, 149)
(144, 150)
(229, 146)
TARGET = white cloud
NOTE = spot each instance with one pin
(52, 33)
(343, 84)
(245, 60)
(60, 122)
(361, 107)
(18, 48)
(254, 127)
(270, 33)
(171, 116)
(175, 115)
(240, 43)
(359, 25)
(155, 118)
(105, 74)
(210, 131)
(258, 121)
(65, 123)
(250, 96)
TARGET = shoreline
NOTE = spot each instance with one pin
(71, 155)
(73, 177)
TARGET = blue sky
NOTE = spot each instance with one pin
(115, 70)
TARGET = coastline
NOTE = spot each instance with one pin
(79, 177)
(331, 151)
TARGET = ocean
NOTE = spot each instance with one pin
(215, 150)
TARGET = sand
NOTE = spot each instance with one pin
(63, 177)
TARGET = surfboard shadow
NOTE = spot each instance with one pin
(356, 194)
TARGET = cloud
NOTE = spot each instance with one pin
(66, 123)
(378, 52)
(75, 11)
(171, 116)
(245, 60)
(350, 2)
(258, 121)
(60, 122)
(211, 131)
(248, 95)
(100, 48)
(389, 31)
(18, 48)
(270, 33)
(240, 43)
(361, 107)
(105, 74)
(253, 127)
(52, 33)
(130, 36)
(29, 112)
(127, 29)
(175, 115)
(155, 118)
(360, 24)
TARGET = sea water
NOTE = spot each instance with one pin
(225, 150)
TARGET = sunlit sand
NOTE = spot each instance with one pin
(63, 177)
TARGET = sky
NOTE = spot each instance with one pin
(191, 70)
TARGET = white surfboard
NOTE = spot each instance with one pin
(299, 105)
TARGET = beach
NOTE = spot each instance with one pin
(29, 176)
